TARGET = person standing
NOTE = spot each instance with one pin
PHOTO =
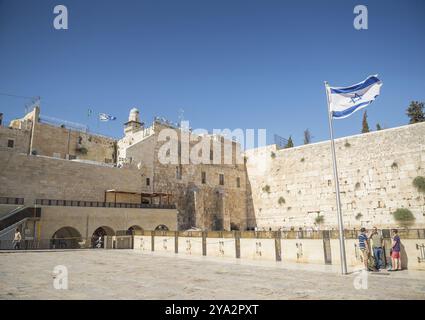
(395, 252)
(17, 240)
(377, 247)
(364, 247)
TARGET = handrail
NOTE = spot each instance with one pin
(10, 200)
(83, 203)
(11, 213)
(19, 215)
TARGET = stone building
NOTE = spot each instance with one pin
(210, 195)
(34, 135)
(265, 187)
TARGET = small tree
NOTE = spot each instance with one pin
(419, 183)
(365, 125)
(266, 188)
(290, 143)
(404, 217)
(307, 136)
(378, 127)
(319, 219)
(415, 112)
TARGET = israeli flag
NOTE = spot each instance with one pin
(106, 117)
(343, 102)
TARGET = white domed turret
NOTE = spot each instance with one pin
(134, 115)
(133, 125)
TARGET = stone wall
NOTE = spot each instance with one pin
(38, 177)
(57, 141)
(376, 171)
(208, 205)
(86, 220)
(60, 142)
(20, 138)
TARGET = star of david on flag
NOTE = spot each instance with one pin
(344, 101)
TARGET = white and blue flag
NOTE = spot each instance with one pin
(106, 117)
(343, 102)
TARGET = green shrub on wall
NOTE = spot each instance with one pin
(319, 219)
(266, 188)
(359, 216)
(419, 183)
(281, 200)
(273, 155)
(404, 217)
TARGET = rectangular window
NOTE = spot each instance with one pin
(211, 155)
(221, 177)
(56, 155)
(238, 182)
(10, 143)
(148, 181)
(204, 177)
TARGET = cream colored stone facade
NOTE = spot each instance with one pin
(376, 171)
(34, 136)
(274, 189)
(204, 204)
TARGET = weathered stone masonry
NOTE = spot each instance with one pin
(376, 171)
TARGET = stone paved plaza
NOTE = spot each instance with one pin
(126, 274)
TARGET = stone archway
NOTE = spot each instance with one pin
(135, 230)
(66, 238)
(162, 227)
(99, 234)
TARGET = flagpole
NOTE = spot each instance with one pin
(338, 200)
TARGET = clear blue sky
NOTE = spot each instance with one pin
(227, 63)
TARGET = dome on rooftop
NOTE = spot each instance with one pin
(134, 110)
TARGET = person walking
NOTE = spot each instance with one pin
(17, 240)
(377, 247)
(364, 247)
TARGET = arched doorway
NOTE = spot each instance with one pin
(134, 230)
(99, 234)
(162, 227)
(66, 238)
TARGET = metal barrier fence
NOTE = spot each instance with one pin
(322, 234)
(78, 203)
(48, 244)
(125, 240)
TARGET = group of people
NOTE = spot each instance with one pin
(374, 243)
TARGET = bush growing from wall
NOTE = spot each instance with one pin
(319, 219)
(266, 188)
(404, 217)
(419, 183)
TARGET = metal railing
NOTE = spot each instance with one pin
(52, 244)
(100, 204)
(9, 200)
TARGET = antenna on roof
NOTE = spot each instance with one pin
(181, 115)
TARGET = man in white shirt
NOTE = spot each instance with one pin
(17, 240)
